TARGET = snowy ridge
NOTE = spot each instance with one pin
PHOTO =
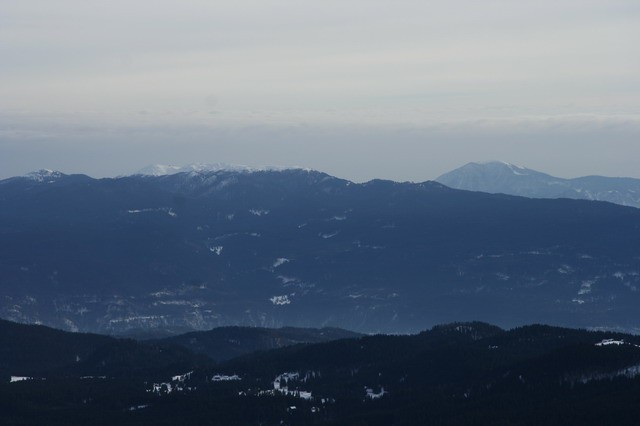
(166, 170)
(159, 170)
(44, 175)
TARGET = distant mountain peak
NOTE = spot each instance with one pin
(158, 170)
(506, 178)
(44, 175)
(165, 170)
(499, 165)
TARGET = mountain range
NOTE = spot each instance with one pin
(454, 374)
(497, 177)
(295, 247)
(32, 350)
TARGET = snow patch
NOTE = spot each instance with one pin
(162, 293)
(216, 249)
(608, 342)
(177, 384)
(166, 210)
(565, 269)
(329, 235)
(373, 395)
(281, 385)
(287, 280)
(367, 246)
(280, 261)
(518, 171)
(182, 377)
(585, 287)
(280, 300)
(225, 378)
(138, 407)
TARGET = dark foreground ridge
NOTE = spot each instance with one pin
(224, 343)
(455, 374)
(35, 350)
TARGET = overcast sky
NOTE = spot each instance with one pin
(403, 90)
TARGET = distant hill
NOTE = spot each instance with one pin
(33, 350)
(224, 343)
(29, 349)
(503, 178)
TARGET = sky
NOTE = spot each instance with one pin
(403, 90)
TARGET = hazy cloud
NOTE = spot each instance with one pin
(290, 82)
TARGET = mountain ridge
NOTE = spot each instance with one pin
(165, 170)
(30, 349)
(450, 374)
(506, 178)
(306, 249)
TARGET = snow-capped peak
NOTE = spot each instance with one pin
(158, 170)
(44, 175)
(164, 170)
